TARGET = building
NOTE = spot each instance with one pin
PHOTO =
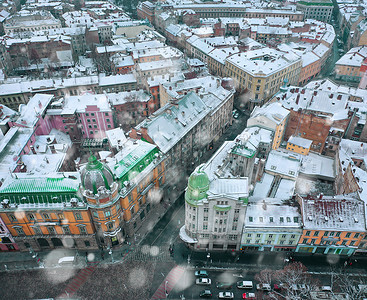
(331, 225)
(271, 225)
(214, 206)
(260, 73)
(30, 21)
(272, 117)
(350, 66)
(316, 9)
(299, 145)
(184, 129)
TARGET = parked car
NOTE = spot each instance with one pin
(203, 281)
(263, 287)
(245, 284)
(201, 273)
(326, 288)
(279, 286)
(225, 295)
(224, 285)
(206, 294)
(250, 296)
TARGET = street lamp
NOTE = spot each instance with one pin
(110, 253)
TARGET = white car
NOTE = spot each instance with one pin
(225, 295)
(203, 281)
(263, 287)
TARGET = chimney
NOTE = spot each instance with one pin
(320, 196)
(52, 148)
(33, 150)
(297, 99)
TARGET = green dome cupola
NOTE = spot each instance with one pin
(96, 175)
(197, 187)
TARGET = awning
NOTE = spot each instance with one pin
(185, 237)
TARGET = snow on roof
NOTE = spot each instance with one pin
(318, 166)
(116, 79)
(334, 213)
(170, 123)
(271, 212)
(154, 65)
(126, 97)
(354, 57)
(299, 141)
(324, 101)
(264, 61)
(43, 163)
(79, 104)
(34, 108)
(116, 137)
(283, 163)
(272, 111)
(283, 190)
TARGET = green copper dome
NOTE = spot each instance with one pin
(197, 187)
(96, 175)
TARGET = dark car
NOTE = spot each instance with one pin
(224, 285)
(206, 294)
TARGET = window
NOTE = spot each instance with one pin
(352, 243)
(130, 198)
(261, 219)
(87, 243)
(234, 227)
(19, 230)
(110, 226)
(107, 120)
(31, 217)
(344, 242)
(249, 235)
(206, 209)
(284, 236)
(326, 233)
(348, 235)
(37, 230)
(313, 241)
(258, 235)
(270, 236)
(12, 218)
(215, 229)
(288, 219)
(337, 234)
(95, 214)
(107, 213)
(60, 216)
(205, 219)
(290, 242)
(281, 219)
(82, 229)
(78, 216)
(236, 211)
(304, 241)
(356, 235)
(251, 219)
(66, 229)
(205, 227)
(46, 216)
(281, 242)
(51, 230)
(271, 220)
(316, 233)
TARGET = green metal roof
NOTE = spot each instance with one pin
(197, 187)
(311, 3)
(222, 208)
(135, 161)
(41, 185)
(243, 151)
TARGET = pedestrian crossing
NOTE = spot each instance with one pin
(150, 254)
(78, 280)
(168, 283)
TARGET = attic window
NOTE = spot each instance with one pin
(341, 219)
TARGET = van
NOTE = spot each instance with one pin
(67, 260)
(245, 284)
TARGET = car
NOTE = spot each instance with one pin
(279, 286)
(225, 295)
(201, 273)
(263, 287)
(326, 288)
(206, 294)
(236, 115)
(248, 296)
(224, 285)
(203, 281)
(245, 284)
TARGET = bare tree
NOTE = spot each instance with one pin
(294, 282)
(352, 284)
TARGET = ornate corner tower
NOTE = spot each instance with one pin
(101, 193)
